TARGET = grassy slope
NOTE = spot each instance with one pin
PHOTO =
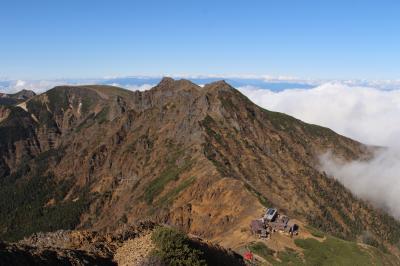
(329, 251)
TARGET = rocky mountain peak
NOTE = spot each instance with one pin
(220, 85)
(166, 81)
(170, 84)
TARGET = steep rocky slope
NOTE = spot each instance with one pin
(67, 247)
(205, 159)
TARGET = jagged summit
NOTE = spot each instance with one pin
(170, 84)
(220, 84)
(166, 81)
(182, 84)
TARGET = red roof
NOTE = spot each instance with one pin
(248, 255)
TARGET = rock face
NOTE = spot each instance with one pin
(131, 245)
(70, 247)
(21, 255)
(201, 158)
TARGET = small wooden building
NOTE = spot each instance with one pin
(271, 214)
(292, 227)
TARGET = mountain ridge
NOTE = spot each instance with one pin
(205, 159)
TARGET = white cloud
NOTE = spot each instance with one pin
(377, 180)
(133, 87)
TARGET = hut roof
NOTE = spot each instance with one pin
(257, 225)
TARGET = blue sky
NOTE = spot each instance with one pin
(307, 39)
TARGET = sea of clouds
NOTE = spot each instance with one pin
(367, 114)
(365, 111)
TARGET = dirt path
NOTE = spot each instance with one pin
(134, 251)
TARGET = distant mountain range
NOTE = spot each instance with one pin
(11, 99)
(204, 159)
(138, 82)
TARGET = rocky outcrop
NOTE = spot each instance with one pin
(131, 245)
(66, 247)
(21, 255)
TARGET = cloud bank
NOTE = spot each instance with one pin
(370, 115)
(377, 181)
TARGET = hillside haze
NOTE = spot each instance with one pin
(204, 159)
